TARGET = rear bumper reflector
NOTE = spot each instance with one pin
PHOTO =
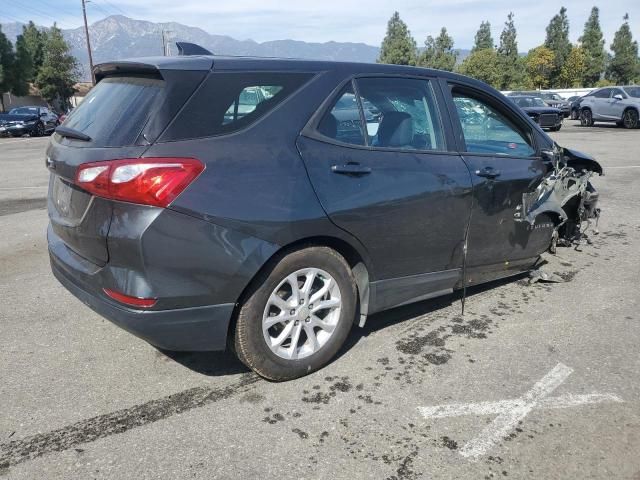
(129, 300)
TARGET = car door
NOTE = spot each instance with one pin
(599, 104)
(614, 106)
(388, 174)
(498, 144)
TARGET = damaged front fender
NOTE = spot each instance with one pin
(566, 192)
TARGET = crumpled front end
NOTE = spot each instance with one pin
(567, 193)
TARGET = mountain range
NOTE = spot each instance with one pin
(117, 37)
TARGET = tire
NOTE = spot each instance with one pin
(586, 118)
(38, 130)
(556, 129)
(630, 118)
(575, 115)
(283, 359)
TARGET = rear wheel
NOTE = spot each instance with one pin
(630, 118)
(298, 315)
(555, 129)
(586, 118)
(38, 130)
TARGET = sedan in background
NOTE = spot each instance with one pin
(35, 121)
(537, 109)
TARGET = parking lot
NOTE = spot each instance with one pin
(534, 381)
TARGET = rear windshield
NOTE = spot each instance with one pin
(228, 102)
(116, 110)
(633, 91)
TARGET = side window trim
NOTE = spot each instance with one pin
(363, 119)
(518, 122)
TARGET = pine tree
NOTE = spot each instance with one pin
(593, 46)
(23, 68)
(34, 40)
(58, 73)
(7, 60)
(439, 52)
(508, 56)
(483, 65)
(558, 42)
(483, 38)
(398, 46)
(623, 67)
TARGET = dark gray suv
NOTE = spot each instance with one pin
(196, 219)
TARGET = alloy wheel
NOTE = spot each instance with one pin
(302, 313)
(630, 119)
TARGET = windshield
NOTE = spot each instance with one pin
(24, 111)
(529, 102)
(632, 91)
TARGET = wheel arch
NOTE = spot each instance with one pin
(357, 260)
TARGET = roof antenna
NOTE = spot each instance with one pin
(186, 48)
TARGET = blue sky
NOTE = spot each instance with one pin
(339, 20)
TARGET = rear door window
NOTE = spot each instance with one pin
(116, 110)
(230, 101)
(342, 122)
(401, 113)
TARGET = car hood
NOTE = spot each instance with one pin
(540, 109)
(16, 118)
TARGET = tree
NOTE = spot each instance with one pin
(23, 68)
(483, 65)
(483, 38)
(592, 42)
(572, 72)
(439, 52)
(558, 42)
(34, 41)
(623, 67)
(7, 59)
(58, 73)
(398, 46)
(539, 65)
(510, 73)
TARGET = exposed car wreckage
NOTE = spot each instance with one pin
(565, 193)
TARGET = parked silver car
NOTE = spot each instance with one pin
(611, 104)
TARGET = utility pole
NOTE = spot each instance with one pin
(86, 32)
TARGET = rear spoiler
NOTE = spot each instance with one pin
(153, 66)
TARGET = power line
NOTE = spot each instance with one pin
(115, 7)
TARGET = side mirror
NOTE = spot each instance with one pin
(618, 97)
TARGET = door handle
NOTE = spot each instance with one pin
(351, 169)
(488, 172)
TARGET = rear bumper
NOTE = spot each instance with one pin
(201, 328)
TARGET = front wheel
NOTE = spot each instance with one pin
(630, 118)
(38, 130)
(556, 129)
(298, 314)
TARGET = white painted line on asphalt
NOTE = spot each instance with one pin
(23, 188)
(512, 411)
(23, 140)
(623, 166)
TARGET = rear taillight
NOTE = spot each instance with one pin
(129, 300)
(148, 181)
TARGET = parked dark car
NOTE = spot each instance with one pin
(543, 115)
(275, 231)
(574, 105)
(612, 104)
(552, 99)
(34, 121)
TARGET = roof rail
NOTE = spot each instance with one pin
(186, 48)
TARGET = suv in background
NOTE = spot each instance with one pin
(612, 104)
(271, 204)
(539, 111)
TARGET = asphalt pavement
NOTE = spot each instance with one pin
(534, 381)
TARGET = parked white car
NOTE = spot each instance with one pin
(612, 104)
